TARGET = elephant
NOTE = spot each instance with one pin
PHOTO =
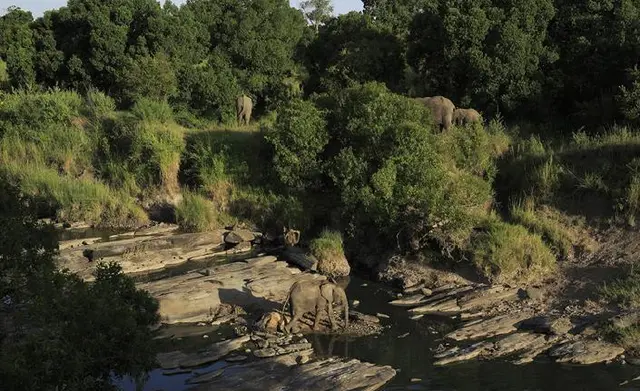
(315, 296)
(244, 106)
(466, 116)
(441, 108)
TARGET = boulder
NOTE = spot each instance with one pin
(333, 265)
(239, 236)
(271, 322)
(300, 258)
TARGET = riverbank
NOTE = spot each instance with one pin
(199, 280)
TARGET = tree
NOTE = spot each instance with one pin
(489, 54)
(352, 49)
(57, 331)
(397, 15)
(17, 47)
(317, 12)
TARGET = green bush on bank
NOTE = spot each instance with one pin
(507, 252)
(195, 213)
(328, 245)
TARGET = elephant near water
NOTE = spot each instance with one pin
(441, 108)
(316, 296)
(463, 117)
(244, 106)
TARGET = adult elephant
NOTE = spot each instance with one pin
(441, 109)
(315, 297)
(463, 117)
(244, 106)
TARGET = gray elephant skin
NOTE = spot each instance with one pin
(315, 297)
(463, 117)
(244, 106)
(441, 109)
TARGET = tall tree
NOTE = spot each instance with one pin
(395, 14)
(317, 12)
(17, 47)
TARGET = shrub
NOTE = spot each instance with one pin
(624, 291)
(148, 150)
(99, 104)
(151, 110)
(76, 199)
(329, 251)
(195, 213)
(298, 137)
(506, 252)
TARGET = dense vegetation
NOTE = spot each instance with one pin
(110, 111)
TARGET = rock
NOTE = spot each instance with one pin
(426, 291)
(626, 320)
(333, 265)
(547, 325)
(215, 352)
(299, 258)
(265, 352)
(410, 301)
(485, 328)
(271, 322)
(239, 236)
(354, 303)
(414, 289)
(403, 335)
(383, 316)
(531, 293)
(284, 373)
(303, 360)
(457, 354)
(360, 317)
(586, 352)
(415, 380)
(235, 358)
(416, 317)
(485, 297)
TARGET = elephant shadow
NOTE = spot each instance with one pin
(247, 299)
(327, 345)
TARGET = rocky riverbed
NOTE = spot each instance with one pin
(224, 290)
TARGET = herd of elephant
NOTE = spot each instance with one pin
(445, 113)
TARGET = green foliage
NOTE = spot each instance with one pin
(71, 199)
(99, 104)
(624, 291)
(195, 213)
(506, 252)
(43, 333)
(490, 53)
(149, 151)
(328, 245)
(396, 15)
(17, 47)
(151, 110)
(149, 77)
(317, 12)
(298, 137)
(352, 49)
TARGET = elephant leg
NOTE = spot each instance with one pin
(331, 317)
(448, 118)
(296, 317)
(316, 321)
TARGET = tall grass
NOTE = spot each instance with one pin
(505, 252)
(328, 245)
(195, 213)
(72, 199)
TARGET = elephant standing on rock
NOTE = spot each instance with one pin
(462, 117)
(244, 106)
(315, 296)
(441, 109)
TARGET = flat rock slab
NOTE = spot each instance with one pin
(211, 354)
(138, 254)
(586, 352)
(193, 297)
(320, 375)
(486, 328)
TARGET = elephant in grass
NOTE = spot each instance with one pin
(462, 117)
(315, 297)
(441, 109)
(244, 106)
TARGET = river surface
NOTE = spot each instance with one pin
(405, 345)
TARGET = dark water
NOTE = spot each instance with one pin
(412, 357)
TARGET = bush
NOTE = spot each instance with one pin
(195, 213)
(298, 137)
(329, 251)
(75, 199)
(99, 104)
(150, 151)
(151, 110)
(509, 253)
(624, 291)
(43, 334)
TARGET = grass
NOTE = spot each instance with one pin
(196, 214)
(624, 291)
(72, 199)
(505, 252)
(328, 245)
